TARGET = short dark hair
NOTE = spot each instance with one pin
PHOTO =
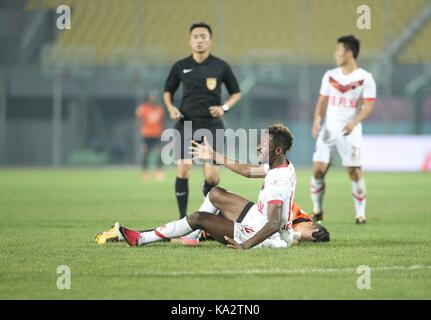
(281, 136)
(201, 25)
(350, 43)
(321, 235)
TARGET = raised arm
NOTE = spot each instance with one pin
(245, 169)
(206, 152)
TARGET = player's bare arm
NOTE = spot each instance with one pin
(207, 153)
(271, 227)
(319, 113)
(174, 112)
(362, 115)
(218, 111)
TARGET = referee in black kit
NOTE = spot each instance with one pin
(201, 75)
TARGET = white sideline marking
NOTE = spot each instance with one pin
(276, 271)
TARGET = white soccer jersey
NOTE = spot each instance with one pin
(278, 187)
(345, 94)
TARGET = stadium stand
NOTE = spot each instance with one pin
(116, 50)
(161, 24)
(419, 49)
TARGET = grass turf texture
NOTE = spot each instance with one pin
(49, 218)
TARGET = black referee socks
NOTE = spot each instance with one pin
(182, 193)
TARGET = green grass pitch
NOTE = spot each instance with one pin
(49, 218)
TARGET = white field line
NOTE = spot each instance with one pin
(275, 271)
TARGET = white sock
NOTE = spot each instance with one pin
(206, 206)
(359, 193)
(317, 190)
(172, 229)
(195, 235)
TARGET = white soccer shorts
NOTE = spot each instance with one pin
(349, 147)
(251, 224)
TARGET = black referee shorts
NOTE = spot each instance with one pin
(196, 130)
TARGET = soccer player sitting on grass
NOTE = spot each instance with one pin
(302, 222)
(266, 224)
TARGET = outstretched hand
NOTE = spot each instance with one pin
(231, 243)
(201, 151)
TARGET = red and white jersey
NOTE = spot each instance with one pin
(278, 187)
(346, 93)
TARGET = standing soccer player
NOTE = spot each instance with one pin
(151, 116)
(201, 75)
(347, 97)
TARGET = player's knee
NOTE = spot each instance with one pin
(355, 174)
(212, 179)
(318, 174)
(216, 194)
(320, 169)
(192, 220)
(183, 171)
(197, 220)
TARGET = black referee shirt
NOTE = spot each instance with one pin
(201, 85)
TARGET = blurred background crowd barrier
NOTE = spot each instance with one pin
(67, 97)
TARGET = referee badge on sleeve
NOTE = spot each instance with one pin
(211, 83)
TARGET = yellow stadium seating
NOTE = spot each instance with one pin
(300, 31)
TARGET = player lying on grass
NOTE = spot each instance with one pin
(302, 223)
(268, 224)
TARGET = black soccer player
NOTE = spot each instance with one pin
(268, 223)
(201, 75)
